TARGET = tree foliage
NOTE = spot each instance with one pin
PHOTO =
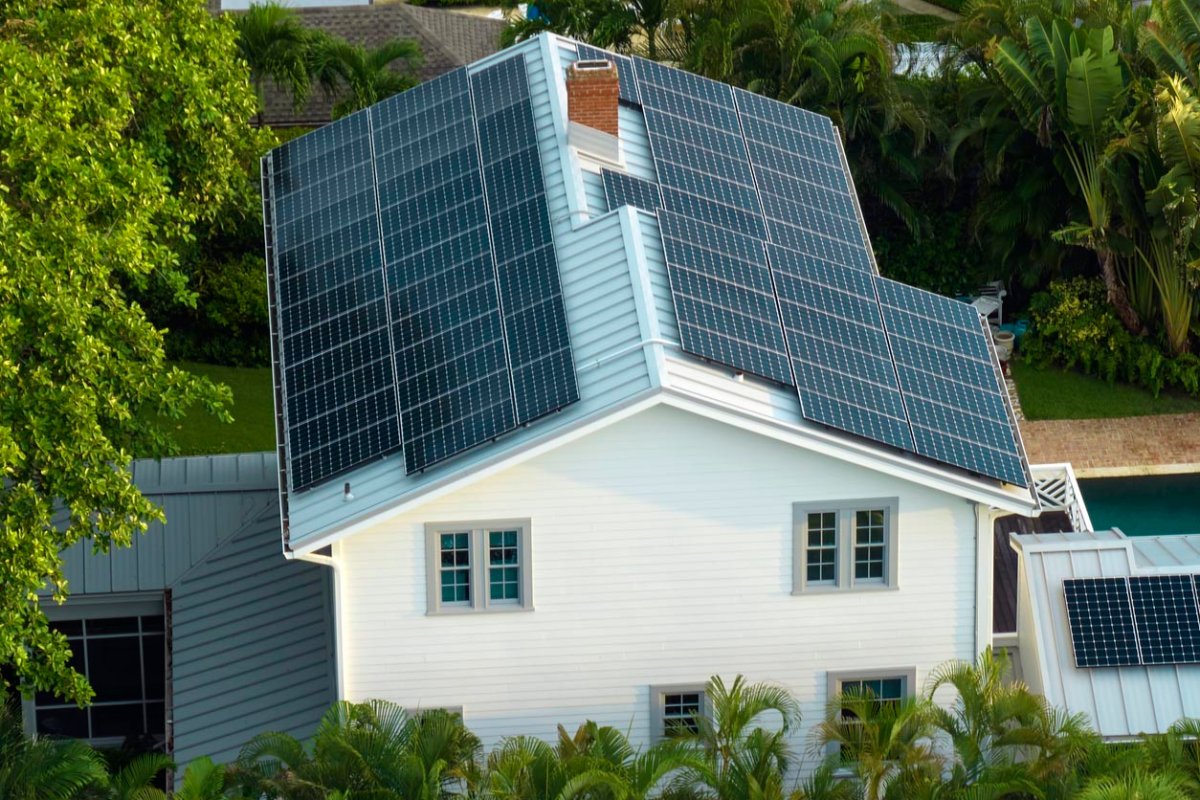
(123, 129)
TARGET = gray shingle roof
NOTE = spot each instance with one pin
(448, 40)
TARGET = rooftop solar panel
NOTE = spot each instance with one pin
(1167, 620)
(1101, 620)
(628, 83)
(539, 350)
(625, 190)
(447, 331)
(951, 385)
(331, 318)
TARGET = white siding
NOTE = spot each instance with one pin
(662, 553)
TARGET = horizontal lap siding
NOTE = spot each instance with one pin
(252, 646)
(662, 554)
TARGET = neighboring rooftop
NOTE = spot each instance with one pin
(448, 40)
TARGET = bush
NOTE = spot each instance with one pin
(1074, 327)
(943, 260)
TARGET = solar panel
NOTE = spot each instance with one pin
(448, 339)
(723, 297)
(535, 325)
(844, 371)
(331, 318)
(625, 190)
(1167, 620)
(628, 91)
(950, 382)
(1101, 619)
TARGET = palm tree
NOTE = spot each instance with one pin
(597, 761)
(1136, 785)
(275, 45)
(736, 757)
(883, 744)
(135, 779)
(362, 77)
(40, 768)
(371, 749)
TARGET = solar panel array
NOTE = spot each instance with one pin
(417, 298)
(1144, 620)
(772, 274)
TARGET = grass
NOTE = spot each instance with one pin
(1052, 393)
(253, 426)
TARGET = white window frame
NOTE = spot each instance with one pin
(844, 514)
(479, 573)
(658, 706)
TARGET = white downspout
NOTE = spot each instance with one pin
(338, 628)
(984, 583)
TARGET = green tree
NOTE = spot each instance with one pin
(603, 23)
(360, 77)
(123, 126)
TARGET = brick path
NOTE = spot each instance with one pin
(1130, 445)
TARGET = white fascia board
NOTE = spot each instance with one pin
(554, 439)
(873, 458)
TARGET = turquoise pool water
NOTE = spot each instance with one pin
(1145, 505)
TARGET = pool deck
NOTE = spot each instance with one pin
(1097, 448)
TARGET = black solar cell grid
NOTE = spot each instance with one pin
(1101, 620)
(626, 190)
(1167, 620)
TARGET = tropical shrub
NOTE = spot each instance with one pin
(1075, 327)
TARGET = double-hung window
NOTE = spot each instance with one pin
(478, 567)
(844, 545)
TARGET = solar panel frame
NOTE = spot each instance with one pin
(1166, 618)
(1100, 617)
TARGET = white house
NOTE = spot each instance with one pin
(677, 512)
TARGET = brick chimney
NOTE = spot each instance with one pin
(592, 92)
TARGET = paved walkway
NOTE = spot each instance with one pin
(1126, 446)
(922, 7)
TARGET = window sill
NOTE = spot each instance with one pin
(466, 612)
(854, 589)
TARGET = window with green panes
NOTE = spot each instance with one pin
(822, 547)
(456, 567)
(870, 544)
(478, 566)
(504, 566)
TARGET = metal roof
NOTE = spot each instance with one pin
(1121, 702)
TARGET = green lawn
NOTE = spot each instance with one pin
(253, 426)
(1057, 394)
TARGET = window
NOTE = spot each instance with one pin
(886, 686)
(844, 545)
(124, 659)
(478, 567)
(676, 710)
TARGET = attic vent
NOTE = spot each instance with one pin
(592, 94)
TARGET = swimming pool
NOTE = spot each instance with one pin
(1146, 505)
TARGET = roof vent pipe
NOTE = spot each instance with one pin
(592, 94)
